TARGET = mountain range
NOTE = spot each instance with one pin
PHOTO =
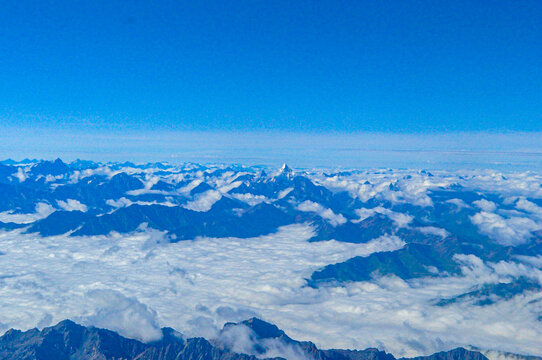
(478, 231)
(70, 341)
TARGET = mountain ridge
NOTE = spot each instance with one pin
(69, 340)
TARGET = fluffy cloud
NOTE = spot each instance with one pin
(529, 207)
(42, 211)
(400, 219)
(124, 202)
(195, 286)
(431, 230)
(102, 170)
(190, 186)
(501, 355)
(112, 310)
(284, 193)
(536, 261)
(324, 213)
(242, 339)
(22, 173)
(251, 199)
(72, 205)
(459, 203)
(525, 184)
(78, 278)
(506, 231)
(397, 187)
(487, 206)
(407, 186)
(136, 282)
(204, 201)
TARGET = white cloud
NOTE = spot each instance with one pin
(150, 180)
(459, 203)
(194, 286)
(284, 193)
(22, 173)
(124, 202)
(398, 187)
(71, 205)
(50, 178)
(248, 276)
(137, 282)
(324, 213)
(485, 205)
(251, 199)
(506, 231)
(400, 219)
(525, 184)
(241, 339)
(190, 186)
(227, 187)
(536, 261)
(112, 310)
(501, 355)
(530, 207)
(204, 201)
(145, 191)
(411, 187)
(102, 170)
(42, 211)
(431, 230)
(502, 271)
(121, 202)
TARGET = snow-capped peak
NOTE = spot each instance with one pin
(283, 171)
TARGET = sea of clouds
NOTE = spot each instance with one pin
(136, 283)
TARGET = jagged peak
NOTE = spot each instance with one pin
(262, 328)
(283, 172)
(66, 326)
(66, 322)
(15, 342)
(285, 168)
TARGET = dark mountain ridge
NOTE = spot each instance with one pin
(70, 341)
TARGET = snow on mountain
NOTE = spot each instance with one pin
(413, 261)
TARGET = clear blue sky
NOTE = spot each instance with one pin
(366, 66)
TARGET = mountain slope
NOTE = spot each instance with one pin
(70, 341)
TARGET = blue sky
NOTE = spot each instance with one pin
(387, 66)
(313, 67)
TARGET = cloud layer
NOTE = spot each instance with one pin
(136, 282)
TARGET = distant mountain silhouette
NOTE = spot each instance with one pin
(70, 341)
